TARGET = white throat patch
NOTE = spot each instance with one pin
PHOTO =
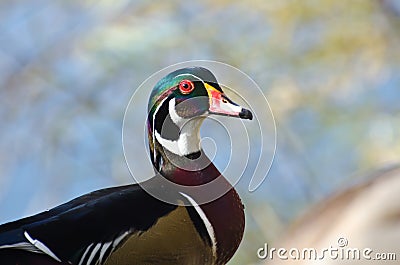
(189, 135)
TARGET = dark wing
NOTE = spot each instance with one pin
(87, 229)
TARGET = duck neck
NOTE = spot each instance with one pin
(181, 140)
(175, 141)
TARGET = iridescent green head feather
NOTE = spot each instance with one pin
(169, 84)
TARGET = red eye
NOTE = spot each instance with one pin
(186, 86)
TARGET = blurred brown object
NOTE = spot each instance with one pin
(367, 215)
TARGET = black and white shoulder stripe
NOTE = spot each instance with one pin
(204, 227)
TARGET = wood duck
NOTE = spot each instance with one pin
(127, 225)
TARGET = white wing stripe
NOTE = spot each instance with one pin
(41, 246)
(84, 254)
(119, 239)
(103, 250)
(206, 222)
(24, 246)
(93, 253)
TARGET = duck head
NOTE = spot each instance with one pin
(178, 105)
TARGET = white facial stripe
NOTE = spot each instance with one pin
(207, 224)
(192, 76)
(188, 141)
(179, 121)
(154, 129)
(189, 136)
(171, 146)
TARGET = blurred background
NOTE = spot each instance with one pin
(330, 70)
